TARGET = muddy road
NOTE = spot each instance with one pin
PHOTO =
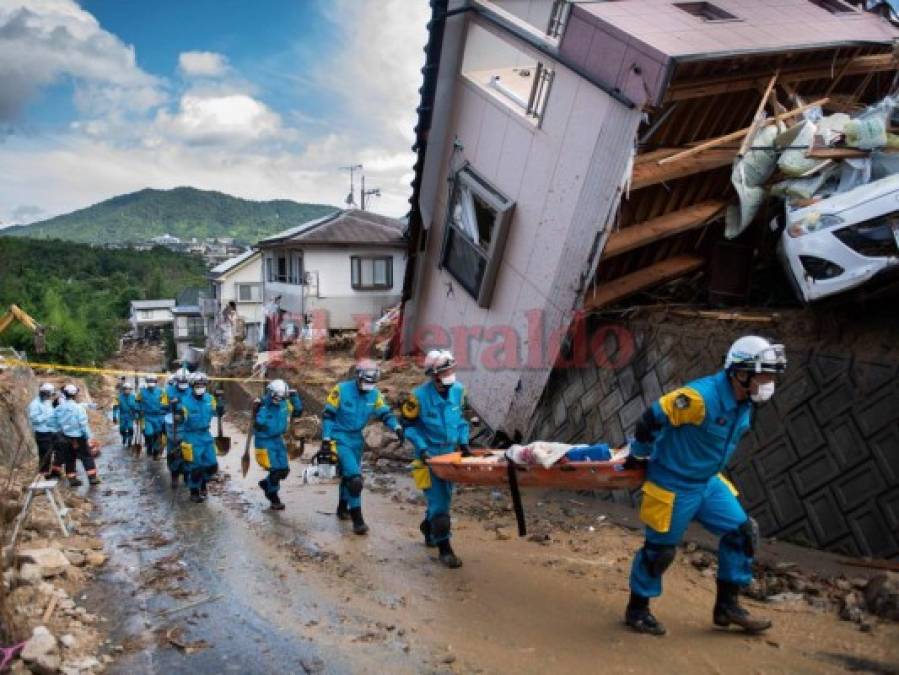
(229, 586)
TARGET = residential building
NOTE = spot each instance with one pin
(237, 280)
(344, 266)
(189, 326)
(538, 117)
(150, 317)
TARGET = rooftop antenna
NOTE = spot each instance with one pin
(350, 198)
(373, 192)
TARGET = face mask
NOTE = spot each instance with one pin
(366, 386)
(199, 391)
(151, 385)
(182, 386)
(764, 393)
(448, 380)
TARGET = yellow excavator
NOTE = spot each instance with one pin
(16, 313)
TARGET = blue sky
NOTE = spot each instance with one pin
(261, 99)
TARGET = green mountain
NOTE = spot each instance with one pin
(183, 212)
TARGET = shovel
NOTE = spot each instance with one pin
(222, 442)
(135, 438)
(245, 460)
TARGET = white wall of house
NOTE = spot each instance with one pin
(328, 271)
(238, 283)
(564, 177)
(144, 318)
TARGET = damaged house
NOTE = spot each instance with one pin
(578, 158)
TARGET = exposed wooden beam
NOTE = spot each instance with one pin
(609, 292)
(650, 172)
(711, 86)
(668, 225)
(843, 153)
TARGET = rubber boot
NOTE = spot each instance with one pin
(728, 611)
(640, 618)
(447, 556)
(74, 481)
(195, 496)
(94, 480)
(425, 528)
(174, 482)
(204, 492)
(277, 504)
(359, 526)
(343, 510)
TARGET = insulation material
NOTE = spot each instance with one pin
(793, 161)
(804, 188)
(866, 134)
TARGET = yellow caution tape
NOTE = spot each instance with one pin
(110, 371)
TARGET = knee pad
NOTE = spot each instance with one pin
(744, 538)
(354, 485)
(280, 474)
(440, 526)
(664, 557)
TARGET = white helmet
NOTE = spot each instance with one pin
(755, 354)
(151, 378)
(47, 389)
(127, 386)
(198, 380)
(70, 390)
(367, 371)
(438, 361)
(277, 389)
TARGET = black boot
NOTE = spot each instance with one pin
(195, 496)
(343, 510)
(277, 504)
(175, 481)
(359, 526)
(425, 528)
(638, 616)
(447, 556)
(74, 481)
(728, 610)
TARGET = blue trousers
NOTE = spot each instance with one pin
(714, 505)
(173, 456)
(349, 459)
(203, 464)
(271, 454)
(439, 498)
(126, 426)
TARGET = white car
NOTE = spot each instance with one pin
(844, 241)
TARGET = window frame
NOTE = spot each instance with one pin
(356, 262)
(492, 256)
(255, 288)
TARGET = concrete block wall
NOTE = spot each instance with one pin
(821, 464)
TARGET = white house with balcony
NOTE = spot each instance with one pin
(239, 281)
(150, 317)
(344, 266)
(189, 326)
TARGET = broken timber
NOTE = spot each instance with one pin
(648, 171)
(611, 291)
(668, 225)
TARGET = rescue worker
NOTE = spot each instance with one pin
(152, 412)
(42, 415)
(77, 437)
(349, 407)
(126, 412)
(176, 389)
(435, 424)
(685, 439)
(279, 405)
(193, 415)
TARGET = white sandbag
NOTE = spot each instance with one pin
(738, 216)
(793, 162)
(544, 453)
(805, 188)
(760, 160)
(866, 134)
(832, 127)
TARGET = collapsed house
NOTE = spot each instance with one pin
(574, 157)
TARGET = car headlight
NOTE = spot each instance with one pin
(812, 223)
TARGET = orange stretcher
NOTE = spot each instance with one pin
(490, 467)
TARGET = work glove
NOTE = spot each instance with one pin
(400, 434)
(465, 450)
(632, 462)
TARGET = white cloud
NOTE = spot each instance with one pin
(232, 119)
(42, 41)
(202, 64)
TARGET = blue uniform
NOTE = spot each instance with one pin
(127, 411)
(73, 425)
(42, 416)
(701, 425)
(197, 446)
(435, 424)
(152, 411)
(272, 421)
(173, 452)
(347, 411)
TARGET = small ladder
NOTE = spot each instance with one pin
(48, 488)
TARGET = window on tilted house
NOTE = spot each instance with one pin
(706, 11)
(475, 234)
(834, 6)
(249, 292)
(371, 273)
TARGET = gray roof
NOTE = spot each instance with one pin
(231, 263)
(152, 304)
(350, 226)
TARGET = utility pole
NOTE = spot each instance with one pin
(351, 198)
(374, 192)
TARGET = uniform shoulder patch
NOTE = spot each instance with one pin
(334, 397)
(411, 407)
(683, 406)
(681, 401)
